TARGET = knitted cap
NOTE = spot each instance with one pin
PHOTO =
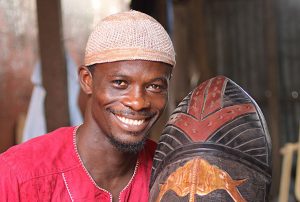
(130, 35)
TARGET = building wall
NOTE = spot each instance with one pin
(17, 58)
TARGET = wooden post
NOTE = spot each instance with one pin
(53, 63)
(191, 49)
(287, 152)
(273, 80)
(198, 49)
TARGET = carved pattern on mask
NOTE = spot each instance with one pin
(199, 177)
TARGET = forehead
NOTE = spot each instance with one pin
(134, 68)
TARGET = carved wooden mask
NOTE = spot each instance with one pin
(215, 147)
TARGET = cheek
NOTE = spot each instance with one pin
(159, 102)
(104, 97)
(99, 104)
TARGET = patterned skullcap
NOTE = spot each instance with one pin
(130, 35)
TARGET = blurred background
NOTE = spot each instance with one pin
(256, 43)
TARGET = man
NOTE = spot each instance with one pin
(128, 64)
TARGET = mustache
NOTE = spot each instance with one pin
(125, 112)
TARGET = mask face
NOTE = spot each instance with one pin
(215, 147)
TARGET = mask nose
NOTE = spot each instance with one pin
(136, 100)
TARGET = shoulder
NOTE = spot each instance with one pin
(36, 147)
(145, 163)
(150, 146)
(8, 183)
(147, 154)
(39, 156)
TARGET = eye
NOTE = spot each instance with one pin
(119, 83)
(156, 88)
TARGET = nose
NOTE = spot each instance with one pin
(136, 99)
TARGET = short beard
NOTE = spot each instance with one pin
(132, 148)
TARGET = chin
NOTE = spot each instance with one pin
(128, 147)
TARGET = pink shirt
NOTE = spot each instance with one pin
(47, 168)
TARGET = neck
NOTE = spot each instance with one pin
(110, 168)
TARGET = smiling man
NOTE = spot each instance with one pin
(128, 65)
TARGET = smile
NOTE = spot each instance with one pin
(132, 122)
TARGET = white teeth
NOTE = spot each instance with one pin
(130, 121)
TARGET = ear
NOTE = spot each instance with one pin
(85, 80)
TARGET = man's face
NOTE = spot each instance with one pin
(127, 99)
